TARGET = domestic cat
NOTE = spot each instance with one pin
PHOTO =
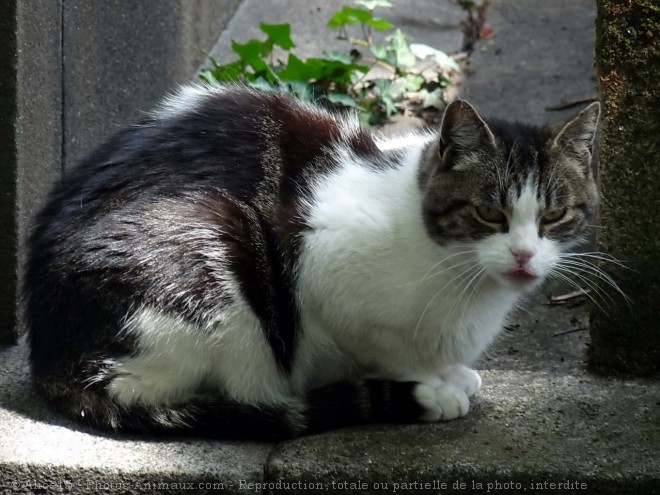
(240, 264)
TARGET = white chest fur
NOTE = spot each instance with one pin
(373, 285)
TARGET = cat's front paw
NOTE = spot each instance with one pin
(463, 378)
(441, 400)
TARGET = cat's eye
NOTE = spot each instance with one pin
(553, 216)
(490, 214)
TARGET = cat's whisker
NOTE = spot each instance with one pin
(428, 275)
(597, 255)
(448, 258)
(592, 269)
(435, 274)
(442, 289)
(556, 273)
(458, 302)
(591, 284)
(481, 275)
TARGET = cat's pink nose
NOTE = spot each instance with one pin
(522, 256)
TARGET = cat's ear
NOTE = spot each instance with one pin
(577, 135)
(462, 129)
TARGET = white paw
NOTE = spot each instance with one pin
(463, 378)
(441, 400)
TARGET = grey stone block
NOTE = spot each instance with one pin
(80, 70)
(8, 90)
(121, 57)
(38, 124)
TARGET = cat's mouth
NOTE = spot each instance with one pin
(520, 275)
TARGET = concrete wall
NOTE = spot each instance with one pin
(625, 337)
(79, 70)
(7, 169)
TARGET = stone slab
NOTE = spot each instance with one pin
(539, 418)
(40, 449)
(541, 54)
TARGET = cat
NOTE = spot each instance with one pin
(243, 265)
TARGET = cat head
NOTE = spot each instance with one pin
(515, 195)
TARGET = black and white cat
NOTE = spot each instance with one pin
(242, 265)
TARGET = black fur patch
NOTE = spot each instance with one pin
(156, 217)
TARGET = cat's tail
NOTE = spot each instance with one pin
(212, 415)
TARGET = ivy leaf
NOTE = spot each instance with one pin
(372, 4)
(432, 98)
(396, 90)
(208, 77)
(399, 46)
(384, 86)
(301, 90)
(228, 72)
(261, 83)
(350, 15)
(297, 70)
(379, 24)
(341, 18)
(414, 82)
(344, 58)
(379, 51)
(278, 34)
(250, 54)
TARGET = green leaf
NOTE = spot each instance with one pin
(301, 90)
(396, 90)
(372, 4)
(414, 82)
(342, 99)
(278, 34)
(379, 51)
(297, 70)
(399, 46)
(340, 18)
(251, 54)
(390, 109)
(367, 118)
(261, 83)
(228, 72)
(433, 98)
(350, 15)
(318, 69)
(339, 57)
(379, 24)
(208, 77)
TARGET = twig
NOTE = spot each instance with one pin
(565, 298)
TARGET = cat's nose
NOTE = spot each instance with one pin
(522, 256)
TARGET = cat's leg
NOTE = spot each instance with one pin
(462, 377)
(447, 396)
(168, 366)
(441, 400)
(176, 359)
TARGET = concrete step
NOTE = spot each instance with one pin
(540, 418)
